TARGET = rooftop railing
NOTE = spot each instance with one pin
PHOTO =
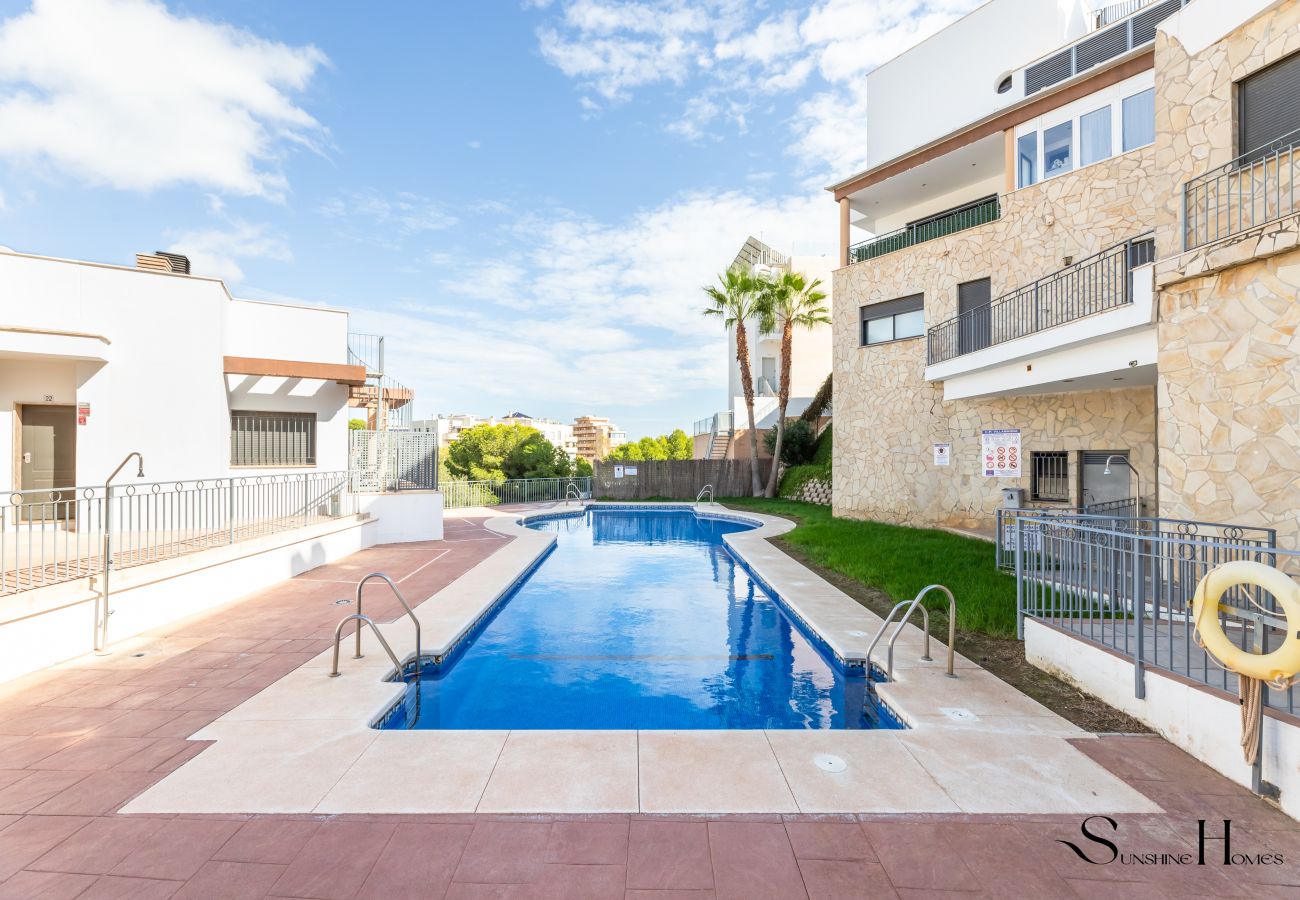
(969, 216)
(1092, 285)
(1255, 188)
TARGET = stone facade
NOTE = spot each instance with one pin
(1229, 409)
(814, 490)
(888, 416)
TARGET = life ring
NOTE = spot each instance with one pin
(1277, 667)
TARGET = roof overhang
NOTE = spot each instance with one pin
(289, 368)
(1113, 72)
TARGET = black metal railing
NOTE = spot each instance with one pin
(968, 216)
(1100, 282)
(1255, 188)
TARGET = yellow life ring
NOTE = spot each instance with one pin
(1277, 667)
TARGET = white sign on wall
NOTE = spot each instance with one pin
(629, 470)
(942, 454)
(618, 471)
(1000, 453)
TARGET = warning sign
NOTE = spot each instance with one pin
(1000, 453)
(83, 413)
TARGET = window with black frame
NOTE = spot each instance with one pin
(893, 320)
(1050, 476)
(1268, 109)
(272, 438)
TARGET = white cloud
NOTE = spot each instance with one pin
(217, 251)
(727, 53)
(127, 94)
(591, 314)
(371, 217)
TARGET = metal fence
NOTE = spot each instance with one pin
(460, 494)
(1100, 282)
(969, 216)
(1255, 188)
(392, 460)
(1111, 513)
(57, 535)
(1127, 584)
(719, 421)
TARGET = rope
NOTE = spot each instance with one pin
(1251, 692)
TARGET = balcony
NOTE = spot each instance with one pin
(942, 225)
(1255, 188)
(1093, 285)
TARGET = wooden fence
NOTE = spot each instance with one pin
(675, 479)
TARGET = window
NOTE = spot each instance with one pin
(975, 328)
(1139, 119)
(272, 438)
(894, 320)
(1094, 136)
(1268, 106)
(1050, 475)
(1057, 141)
(1027, 157)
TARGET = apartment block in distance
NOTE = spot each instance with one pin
(725, 435)
(595, 436)
(1075, 277)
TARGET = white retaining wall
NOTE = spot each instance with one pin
(1202, 722)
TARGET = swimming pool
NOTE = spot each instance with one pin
(638, 619)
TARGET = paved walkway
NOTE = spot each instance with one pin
(79, 741)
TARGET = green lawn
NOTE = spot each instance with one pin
(900, 561)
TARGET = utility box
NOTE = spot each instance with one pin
(1013, 498)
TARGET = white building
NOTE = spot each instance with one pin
(99, 360)
(719, 436)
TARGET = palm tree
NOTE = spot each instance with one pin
(736, 299)
(788, 301)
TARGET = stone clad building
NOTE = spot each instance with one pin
(1076, 276)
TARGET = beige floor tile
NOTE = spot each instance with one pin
(259, 767)
(711, 771)
(564, 771)
(418, 772)
(928, 690)
(307, 694)
(879, 774)
(1019, 773)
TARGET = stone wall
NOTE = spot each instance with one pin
(814, 490)
(888, 416)
(1229, 361)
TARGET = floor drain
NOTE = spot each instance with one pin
(959, 715)
(828, 763)
(342, 601)
(137, 655)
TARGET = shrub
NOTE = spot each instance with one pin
(797, 448)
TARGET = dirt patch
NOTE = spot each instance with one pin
(1003, 657)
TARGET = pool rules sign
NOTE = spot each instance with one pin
(1000, 453)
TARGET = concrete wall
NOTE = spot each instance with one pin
(993, 41)
(158, 386)
(1203, 722)
(887, 416)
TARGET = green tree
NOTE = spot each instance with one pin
(787, 302)
(582, 468)
(356, 424)
(498, 452)
(679, 445)
(736, 299)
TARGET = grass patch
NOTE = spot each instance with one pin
(796, 477)
(900, 561)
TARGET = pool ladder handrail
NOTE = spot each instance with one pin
(338, 632)
(707, 489)
(572, 493)
(925, 627)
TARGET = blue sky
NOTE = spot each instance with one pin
(524, 196)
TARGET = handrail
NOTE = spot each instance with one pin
(977, 212)
(400, 599)
(885, 624)
(102, 611)
(572, 493)
(952, 629)
(1257, 187)
(1091, 285)
(338, 638)
(707, 489)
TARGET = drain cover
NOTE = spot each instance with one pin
(828, 763)
(958, 714)
(342, 601)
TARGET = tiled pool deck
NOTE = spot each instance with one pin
(82, 740)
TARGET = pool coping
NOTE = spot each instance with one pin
(305, 744)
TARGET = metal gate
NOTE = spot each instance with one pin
(392, 461)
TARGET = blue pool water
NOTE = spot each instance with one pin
(637, 619)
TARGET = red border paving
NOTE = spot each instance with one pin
(77, 743)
